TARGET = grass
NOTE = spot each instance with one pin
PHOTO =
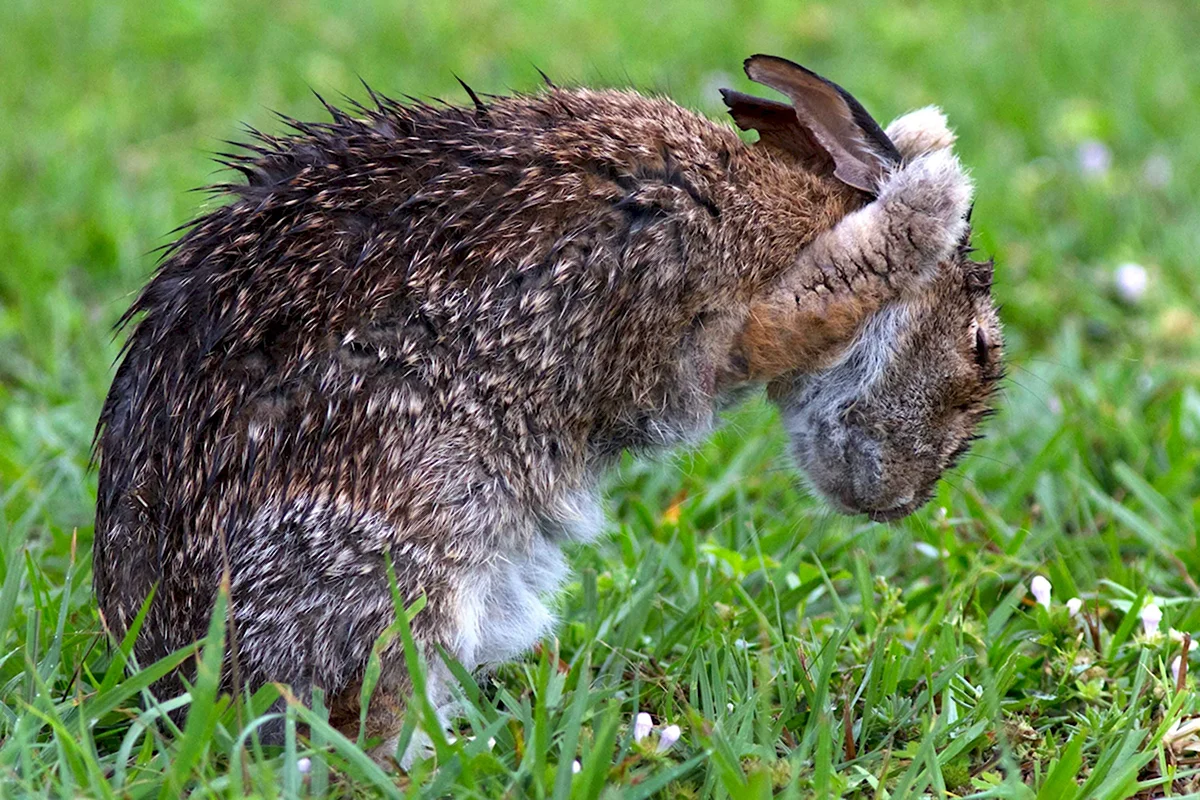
(799, 653)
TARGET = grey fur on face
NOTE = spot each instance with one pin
(422, 333)
(875, 431)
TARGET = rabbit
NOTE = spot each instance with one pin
(874, 432)
(421, 334)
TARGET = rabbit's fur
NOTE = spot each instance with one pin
(423, 334)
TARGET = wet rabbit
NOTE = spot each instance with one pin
(423, 332)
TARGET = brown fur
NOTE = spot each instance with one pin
(876, 429)
(783, 336)
(421, 334)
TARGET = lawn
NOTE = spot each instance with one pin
(796, 651)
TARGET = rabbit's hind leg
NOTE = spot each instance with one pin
(389, 703)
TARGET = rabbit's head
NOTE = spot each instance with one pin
(875, 431)
(876, 425)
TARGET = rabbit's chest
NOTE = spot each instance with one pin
(505, 606)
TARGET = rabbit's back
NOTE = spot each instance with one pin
(413, 334)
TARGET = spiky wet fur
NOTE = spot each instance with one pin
(423, 333)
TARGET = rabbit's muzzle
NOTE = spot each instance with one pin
(849, 467)
(861, 454)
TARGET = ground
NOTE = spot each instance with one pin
(796, 651)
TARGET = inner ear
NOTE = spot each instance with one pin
(826, 119)
(779, 128)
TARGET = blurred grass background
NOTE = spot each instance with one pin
(1080, 120)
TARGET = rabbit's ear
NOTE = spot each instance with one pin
(825, 117)
(777, 127)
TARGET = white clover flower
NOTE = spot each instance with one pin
(1130, 281)
(576, 767)
(642, 726)
(1040, 587)
(926, 549)
(491, 742)
(1074, 606)
(1156, 172)
(304, 765)
(668, 738)
(1094, 158)
(1151, 617)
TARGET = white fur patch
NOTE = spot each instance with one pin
(921, 131)
(503, 608)
(577, 516)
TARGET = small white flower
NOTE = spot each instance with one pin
(575, 767)
(729, 707)
(926, 549)
(1094, 158)
(1176, 664)
(304, 765)
(668, 737)
(642, 726)
(1156, 172)
(1074, 606)
(1130, 281)
(1151, 616)
(1040, 587)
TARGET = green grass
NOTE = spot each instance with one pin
(797, 651)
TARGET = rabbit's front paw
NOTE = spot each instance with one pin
(926, 203)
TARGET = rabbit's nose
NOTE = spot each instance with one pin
(900, 506)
